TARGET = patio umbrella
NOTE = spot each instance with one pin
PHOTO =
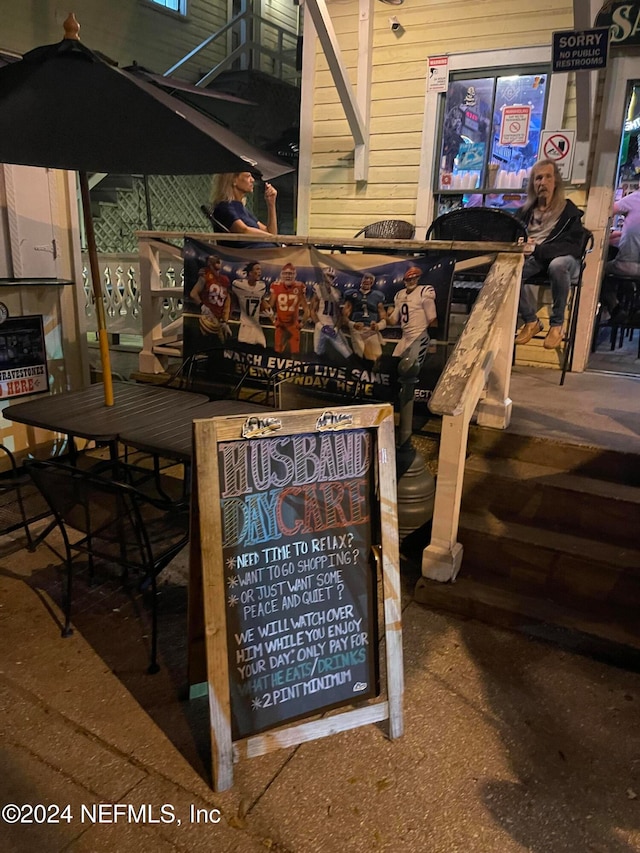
(176, 87)
(62, 106)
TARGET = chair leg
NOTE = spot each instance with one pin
(153, 663)
(567, 361)
(67, 630)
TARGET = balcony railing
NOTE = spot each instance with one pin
(258, 44)
(122, 292)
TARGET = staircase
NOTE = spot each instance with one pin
(551, 536)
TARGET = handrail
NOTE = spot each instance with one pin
(476, 377)
(246, 46)
(355, 243)
(209, 39)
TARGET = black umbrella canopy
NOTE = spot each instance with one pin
(63, 106)
(179, 86)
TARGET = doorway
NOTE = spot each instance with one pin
(615, 350)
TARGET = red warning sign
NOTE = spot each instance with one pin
(514, 126)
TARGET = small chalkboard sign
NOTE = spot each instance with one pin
(297, 515)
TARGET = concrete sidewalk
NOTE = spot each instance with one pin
(598, 409)
(510, 744)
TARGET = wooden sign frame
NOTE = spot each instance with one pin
(378, 422)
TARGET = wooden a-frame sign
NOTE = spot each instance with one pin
(297, 522)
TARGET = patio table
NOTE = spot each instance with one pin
(82, 414)
(171, 437)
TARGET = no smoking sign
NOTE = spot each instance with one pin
(558, 146)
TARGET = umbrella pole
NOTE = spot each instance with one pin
(105, 359)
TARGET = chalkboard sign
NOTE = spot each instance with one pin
(290, 546)
(296, 520)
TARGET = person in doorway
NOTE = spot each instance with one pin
(554, 247)
(211, 293)
(230, 190)
(627, 260)
(414, 308)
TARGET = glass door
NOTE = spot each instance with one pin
(622, 357)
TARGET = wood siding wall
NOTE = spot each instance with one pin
(128, 30)
(338, 205)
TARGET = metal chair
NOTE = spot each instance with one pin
(573, 303)
(20, 501)
(117, 524)
(624, 322)
(478, 224)
(391, 229)
(208, 209)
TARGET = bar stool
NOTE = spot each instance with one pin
(627, 318)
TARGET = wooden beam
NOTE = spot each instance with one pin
(327, 36)
(365, 53)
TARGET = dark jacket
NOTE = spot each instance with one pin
(567, 238)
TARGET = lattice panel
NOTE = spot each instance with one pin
(175, 206)
(175, 202)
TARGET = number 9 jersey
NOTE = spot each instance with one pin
(415, 310)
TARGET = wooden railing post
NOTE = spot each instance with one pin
(494, 410)
(481, 360)
(151, 319)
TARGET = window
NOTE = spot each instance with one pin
(490, 134)
(628, 178)
(178, 6)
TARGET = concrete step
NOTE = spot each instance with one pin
(543, 496)
(566, 569)
(588, 461)
(612, 634)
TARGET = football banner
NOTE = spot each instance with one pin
(333, 323)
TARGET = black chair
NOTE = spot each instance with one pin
(627, 318)
(208, 209)
(573, 304)
(478, 224)
(391, 229)
(20, 501)
(117, 524)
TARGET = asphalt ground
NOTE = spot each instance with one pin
(511, 743)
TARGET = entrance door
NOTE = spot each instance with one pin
(609, 167)
(619, 295)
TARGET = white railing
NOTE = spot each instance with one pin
(122, 293)
(476, 378)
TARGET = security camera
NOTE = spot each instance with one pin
(394, 24)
